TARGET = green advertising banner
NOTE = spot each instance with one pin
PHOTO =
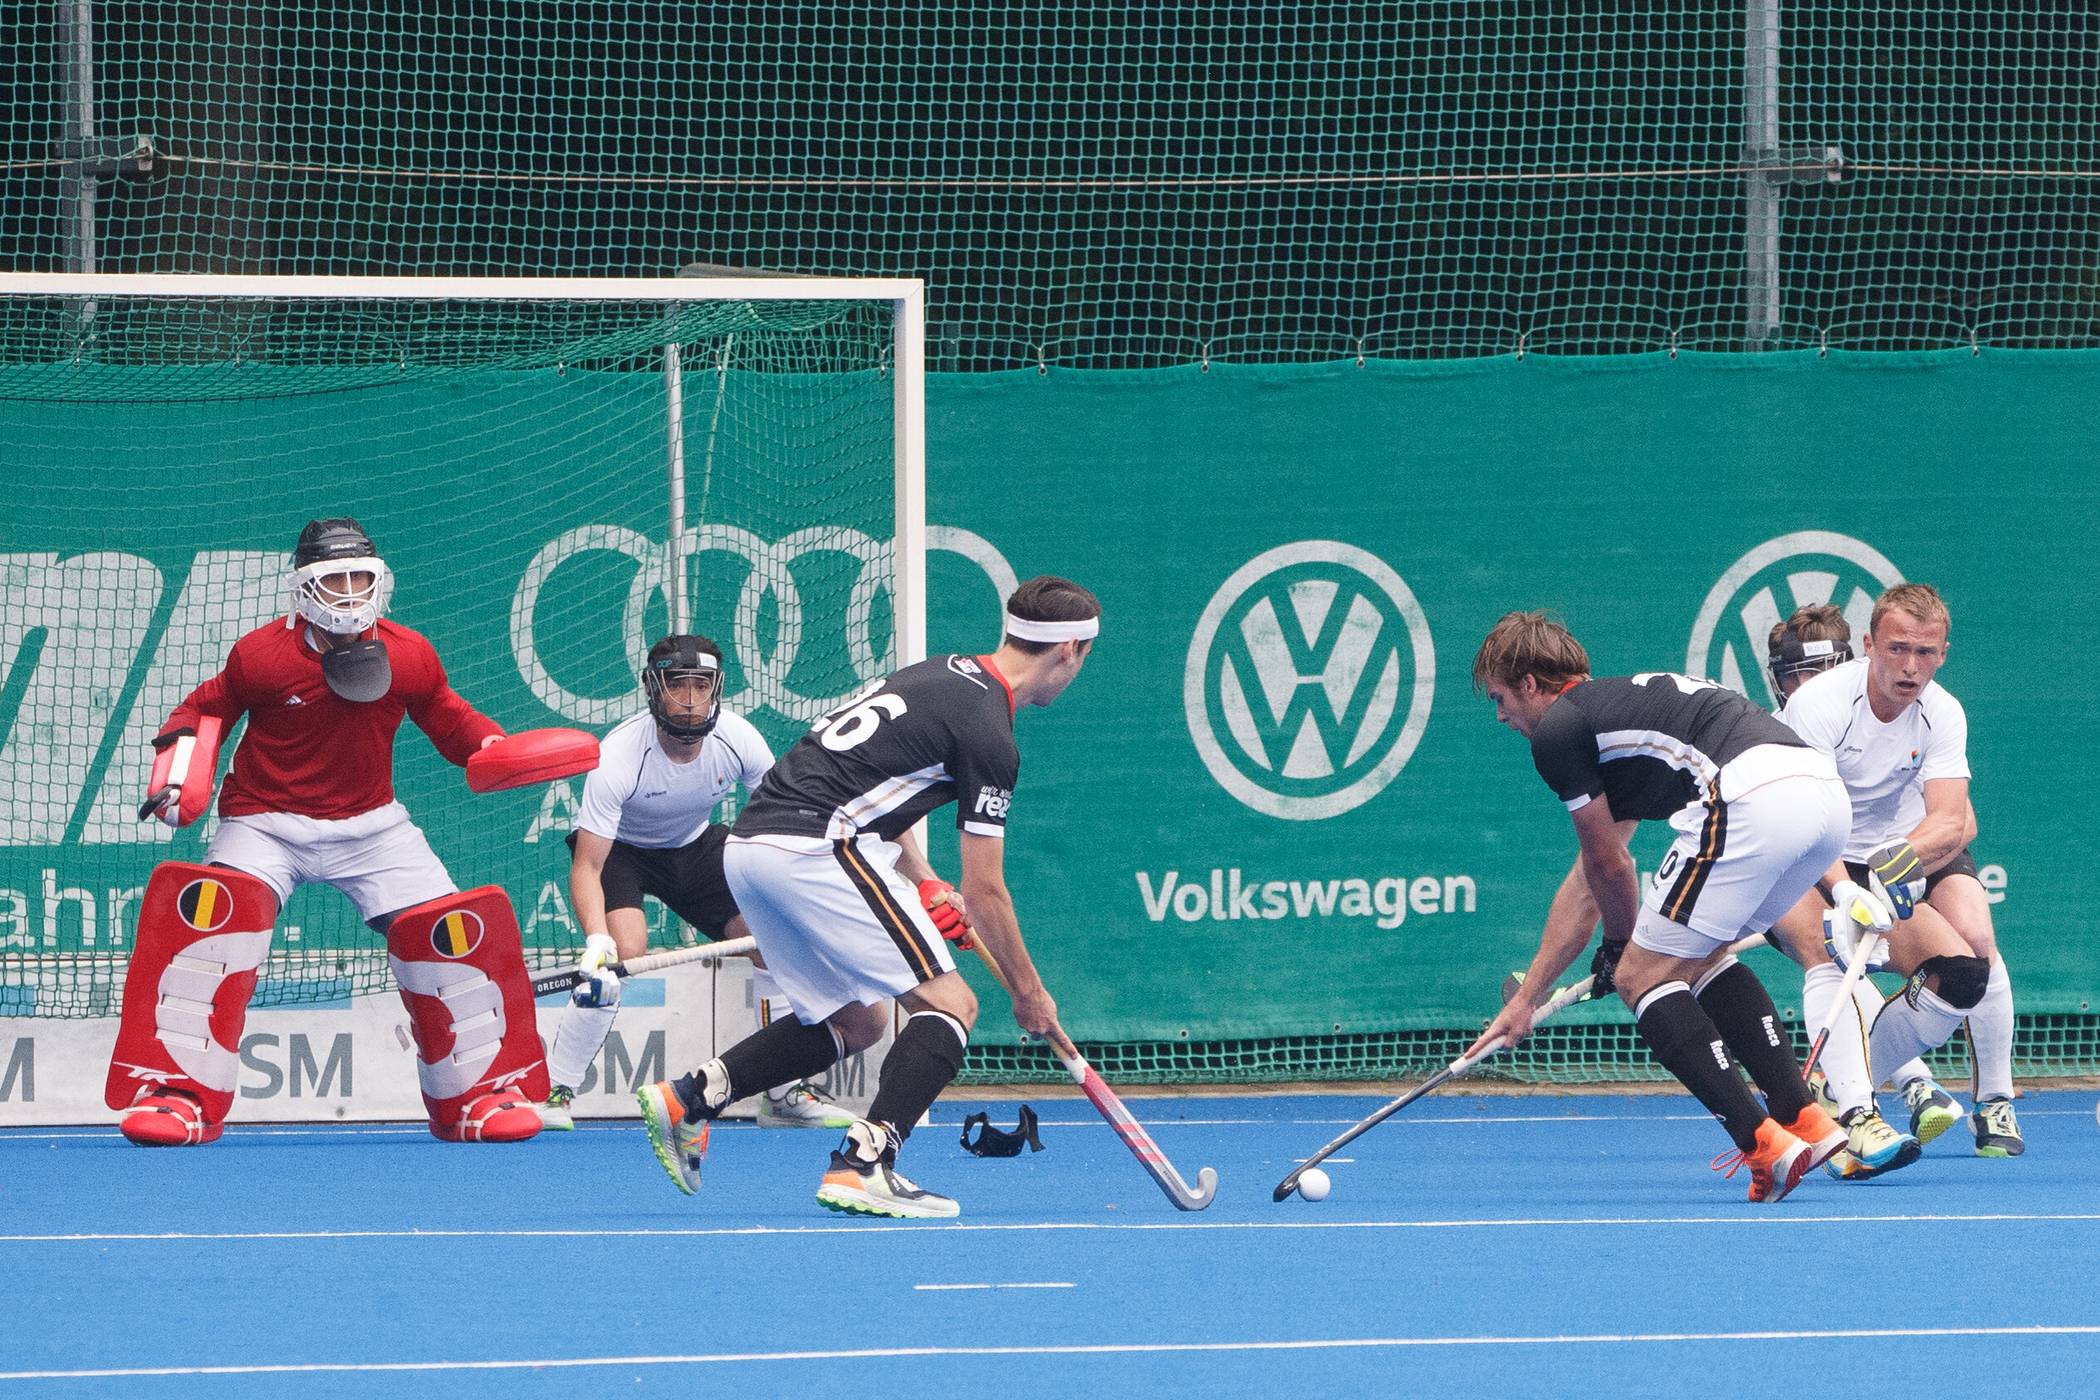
(1272, 804)
(1270, 807)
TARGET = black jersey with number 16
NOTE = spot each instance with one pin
(1652, 743)
(938, 731)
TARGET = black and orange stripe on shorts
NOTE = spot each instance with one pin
(893, 918)
(1713, 840)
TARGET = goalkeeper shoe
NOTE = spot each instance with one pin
(1932, 1109)
(678, 1138)
(1872, 1148)
(864, 1180)
(554, 1113)
(501, 1116)
(1777, 1162)
(801, 1105)
(167, 1118)
(1997, 1131)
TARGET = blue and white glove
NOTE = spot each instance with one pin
(1896, 866)
(1855, 925)
(600, 985)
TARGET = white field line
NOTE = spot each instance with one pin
(237, 1130)
(1097, 1349)
(1758, 1220)
(973, 1287)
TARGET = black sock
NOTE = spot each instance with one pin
(1742, 1011)
(1688, 1046)
(925, 1058)
(781, 1053)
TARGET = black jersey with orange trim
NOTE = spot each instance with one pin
(1651, 743)
(938, 731)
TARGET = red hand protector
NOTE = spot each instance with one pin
(945, 909)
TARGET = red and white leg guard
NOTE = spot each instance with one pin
(461, 965)
(203, 932)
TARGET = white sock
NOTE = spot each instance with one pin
(1991, 1035)
(1844, 1057)
(1904, 1032)
(577, 1039)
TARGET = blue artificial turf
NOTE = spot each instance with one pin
(1545, 1246)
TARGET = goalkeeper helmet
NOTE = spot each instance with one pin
(1794, 656)
(687, 663)
(326, 589)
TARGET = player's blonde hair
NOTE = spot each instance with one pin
(1921, 600)
(1529, 644)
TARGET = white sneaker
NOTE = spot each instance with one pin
(801, 1105)
(860, 1185)
(554, 1113)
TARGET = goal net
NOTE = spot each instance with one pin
(519, 451)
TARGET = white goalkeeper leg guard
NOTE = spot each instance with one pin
(1991, 1035)
(1843, 1064)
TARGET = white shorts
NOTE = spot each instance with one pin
(835, 921)
(1738, 864)
(378, 858)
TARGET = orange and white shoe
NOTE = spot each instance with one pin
(1824, 1135)
(167, 1118)
(678, 1139)
(1777, 1163)
(503, 1116)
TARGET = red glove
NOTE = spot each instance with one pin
(944, 906)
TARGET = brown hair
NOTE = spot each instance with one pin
(1048, 598)
(1921, 600)
(1529, 644)
(1811, 622)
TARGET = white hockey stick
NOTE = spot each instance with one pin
(651, 962)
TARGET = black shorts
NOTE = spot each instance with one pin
(1963, 863)
(688, 879)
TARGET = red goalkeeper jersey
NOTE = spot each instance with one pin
(307, 750)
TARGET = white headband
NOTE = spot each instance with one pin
(1029, 630)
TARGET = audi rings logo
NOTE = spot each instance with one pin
(1731, 638)
(1297, 686)
(767, 642)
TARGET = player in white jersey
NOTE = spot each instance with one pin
(645, 829)
(1815, 639)
(1901, 744)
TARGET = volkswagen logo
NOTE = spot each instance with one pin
(1730, 640)
(1309, 680)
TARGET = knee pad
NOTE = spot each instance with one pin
(203, 932)
(1962, 979)
(461, 965)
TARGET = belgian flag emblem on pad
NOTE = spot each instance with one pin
(205, 905)
(456, 934)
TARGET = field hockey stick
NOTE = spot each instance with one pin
(1566, 996)
(567, 978)
(1513, 983)
(1861, 956)
(1111, 1108)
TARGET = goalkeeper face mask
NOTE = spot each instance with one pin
(994, 1142)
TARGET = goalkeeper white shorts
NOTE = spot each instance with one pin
(1737, 866)
(835, 921)
(379, 858)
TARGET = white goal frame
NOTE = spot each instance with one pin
(906, 298)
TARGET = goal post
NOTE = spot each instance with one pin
(517, 448)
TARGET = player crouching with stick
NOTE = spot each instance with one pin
(645, 828)
(823, 863)
(1758, 815)
(310, 799)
